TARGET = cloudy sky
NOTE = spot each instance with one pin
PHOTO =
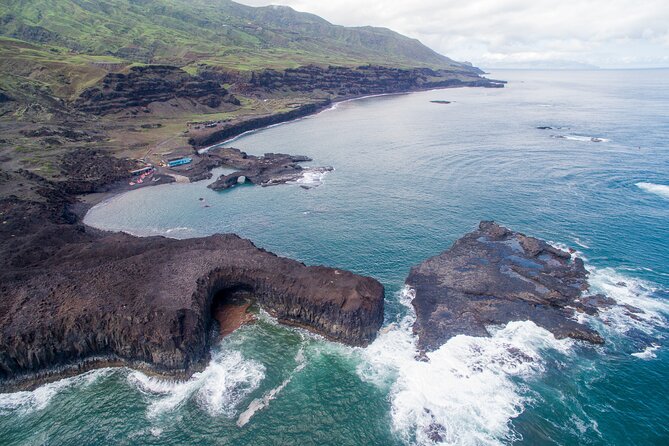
(489, 33)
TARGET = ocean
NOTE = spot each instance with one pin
(410, 177)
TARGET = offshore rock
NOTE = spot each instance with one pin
(73, 298)
(493, 276)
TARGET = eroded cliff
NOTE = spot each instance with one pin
(74, 298)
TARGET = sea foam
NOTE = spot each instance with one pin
(658, 189)
(261, 403)
(311, 178)
(466, 393)
(636, 309)
(581, 138)
(30, 401)
(647, 353)
(218, 390)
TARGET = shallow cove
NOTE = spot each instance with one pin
(410, 178)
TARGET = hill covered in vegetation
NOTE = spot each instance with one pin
(219, 32)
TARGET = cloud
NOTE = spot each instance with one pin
(604, 32)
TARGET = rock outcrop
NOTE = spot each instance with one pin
(144, 85)
(267, 170)
(493, 276)
(365, 80)
(232, 129)
(74, 298)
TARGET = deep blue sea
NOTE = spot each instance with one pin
(410, 178)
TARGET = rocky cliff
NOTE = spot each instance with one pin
(493, 276)
(73, 298)
(229, 130)
(365, 80)
(144, 85)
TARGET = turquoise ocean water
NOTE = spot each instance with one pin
(411, 177)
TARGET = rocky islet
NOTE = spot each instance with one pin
(493, 276)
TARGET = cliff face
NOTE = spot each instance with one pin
(75, 298)
(145, 85)
(365, 80)
(335, 83)
(205, 138)
(493, 276)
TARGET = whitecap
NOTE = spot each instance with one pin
(658, 189)
(648, 352)
(156, 431)
(466, 392)
(25, 402)
(636, 309)
(580, 243)
(581, 138)
(218, 390)
(311, 177)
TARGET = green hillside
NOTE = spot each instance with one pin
(216, 32)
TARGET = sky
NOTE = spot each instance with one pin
(498, 33)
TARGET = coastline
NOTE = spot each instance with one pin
(238, 131)
(84, 202)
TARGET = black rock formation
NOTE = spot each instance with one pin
(144, 85)
(493, 276)
(267, 170)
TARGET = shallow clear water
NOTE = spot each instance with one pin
(410, 177)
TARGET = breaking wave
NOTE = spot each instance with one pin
(467, 392)
(637, 307)
(30, 401)
(218, 390)
(648, 352)
(581, 138)
(658, 189)
(311, 178)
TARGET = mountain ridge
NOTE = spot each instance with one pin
(219, 32)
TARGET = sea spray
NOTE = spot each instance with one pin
(467, 390)
(30, 401)
(218, 390)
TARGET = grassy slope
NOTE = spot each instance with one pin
(218, 32)
(51, 50)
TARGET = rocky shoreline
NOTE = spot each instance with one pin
(493, 276)
(76, 298)
(72, 294)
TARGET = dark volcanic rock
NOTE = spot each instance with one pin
(65, 132)
(494, 276)
(4, 97)
(234, 129)
(147, 84)
(73, 298)
(89, 170)
(365, 80)
(267, 170)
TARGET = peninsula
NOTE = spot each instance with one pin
(127, 99)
